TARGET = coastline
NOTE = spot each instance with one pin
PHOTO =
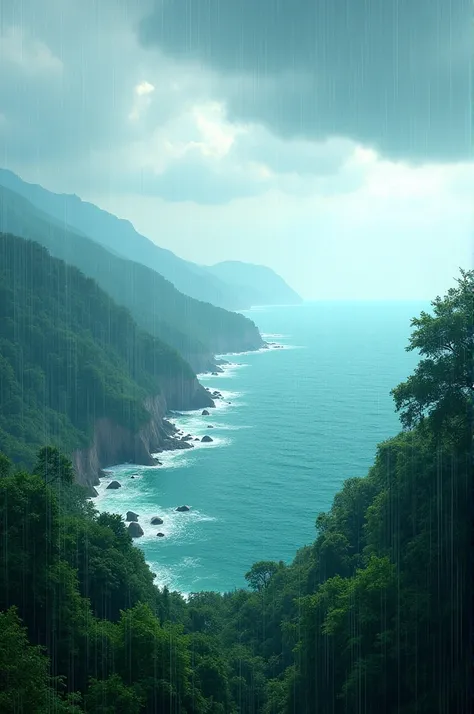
(174, 455)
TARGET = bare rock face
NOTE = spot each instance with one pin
(135, 530)
(114, 485)
(156, 521)
(160, 535)
(206, 439)
(205, 412)
(183, 509)
(131, 516)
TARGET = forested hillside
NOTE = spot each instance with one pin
(372, 617)
(70, 356)
(119, 236)
(198, 330)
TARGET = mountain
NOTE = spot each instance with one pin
(196, 329)
(76, 370)
(120, 236)
(258, 284)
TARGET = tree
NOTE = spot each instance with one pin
(25, 682)
(5, 465)
(53, 467)
(260, 574)
(111, 696)
(442, 386)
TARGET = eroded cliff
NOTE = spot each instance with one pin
(113, 444)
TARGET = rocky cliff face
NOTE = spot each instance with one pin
(114, 444)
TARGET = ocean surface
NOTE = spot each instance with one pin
(294, 424)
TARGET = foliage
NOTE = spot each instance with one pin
(369, 618)
(194, 328)
(68, 355)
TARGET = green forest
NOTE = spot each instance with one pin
(195, 328)
(68, 355)
(369, 619)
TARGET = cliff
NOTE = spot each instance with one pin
(114, 444)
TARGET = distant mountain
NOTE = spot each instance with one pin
(258, 284)
(120, 236)
(196, 329)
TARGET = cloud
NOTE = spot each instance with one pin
(393, 74)
(226, 162)
(30, 55)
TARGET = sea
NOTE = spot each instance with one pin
(294, 423)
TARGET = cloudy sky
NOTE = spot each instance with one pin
(328, 139)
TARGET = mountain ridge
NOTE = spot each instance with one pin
(261, 284)
(118, 235)
(197, 330)
(77, 371)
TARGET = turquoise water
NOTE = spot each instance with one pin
(301, 421)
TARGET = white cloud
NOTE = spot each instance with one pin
(28, 53)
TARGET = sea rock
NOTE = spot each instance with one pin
(114, 484)
(135, 530)
(206, 439)
(174, 444)
(205, 412)
(160, 535)
(209, 426)
(156, 521)
(196, 439)
(132, 476)
(183, 509)
(131, 516)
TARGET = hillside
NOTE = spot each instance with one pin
(258, 284)
(76, 371)
(374, 616)
(196, 329)
(119, 236)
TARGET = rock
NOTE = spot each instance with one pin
(131, 516)
(205, 412)
(188, 437)
(132, 476)
(215, 374)
(135, 530)
(209, 426)
(174, 444)
(156, 521)
(196, 439)
(206, 439)
(114, 484)
(183, 509)
(160, 535)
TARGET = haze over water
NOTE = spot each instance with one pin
(301, 421)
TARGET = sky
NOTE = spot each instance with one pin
(327, 139)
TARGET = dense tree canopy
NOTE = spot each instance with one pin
(68, 355)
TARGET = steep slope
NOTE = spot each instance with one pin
(76, 370)
(121, 237)
(257, 284)
(196, 329)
